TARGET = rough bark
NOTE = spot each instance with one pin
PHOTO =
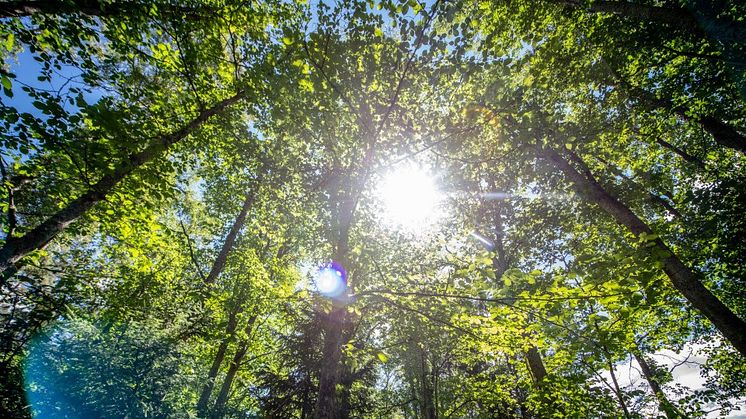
(684, 279)
(99, 8)
(16, 248)
(235, 364)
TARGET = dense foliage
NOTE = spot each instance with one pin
(181, 177)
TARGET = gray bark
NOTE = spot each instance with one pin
(684, 279)
(15, 248)
(230, 239)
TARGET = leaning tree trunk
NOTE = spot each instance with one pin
(617, 389)
(16, 248)
(209, 384)
(235, 364)
(647, 371)
(217, 268)
(230, 239)
(723, 133)
(684, 279)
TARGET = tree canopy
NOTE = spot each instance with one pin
(380, 208)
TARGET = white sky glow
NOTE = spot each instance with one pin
(410, 198)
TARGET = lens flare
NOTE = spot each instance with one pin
(331, 280)
(487, 243)
(410, 198)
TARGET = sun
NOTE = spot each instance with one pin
(410, 198)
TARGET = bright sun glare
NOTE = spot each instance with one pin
(410, 198)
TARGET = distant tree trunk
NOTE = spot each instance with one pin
(723, 133)
(617, 390)
(207, 387)
(685, 280)
(653, 197)
(16, 248)
(664, 404)
(500, 265)
(217, 268)
(536, 364)
(681, 153)
(427, 402)
(230, 239)
(235, 364)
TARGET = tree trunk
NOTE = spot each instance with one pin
(536, 364)
(685, 280)
(230, 239)
(617, 390)
(336, 322)
(681, 153)
(16, 248)
(722, 132)
(331, 355)
(207, 387)
(235, 364)
(427, 402)
(500, 265)
(663, 403)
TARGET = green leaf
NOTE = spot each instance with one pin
(10, 41)
(382, 357)
(6, 82)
